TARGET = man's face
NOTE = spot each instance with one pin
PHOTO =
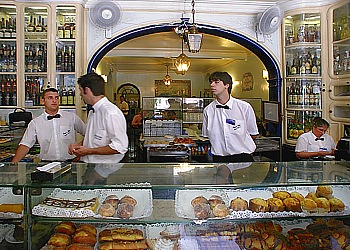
(218, 87)
(319, 131)
(83, 94)
(51, 101)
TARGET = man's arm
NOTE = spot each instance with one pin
(304, 155)
(105, 150)
(21, 151)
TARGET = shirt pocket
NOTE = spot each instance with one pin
(236, 127)
(66, 133)
(100, 137)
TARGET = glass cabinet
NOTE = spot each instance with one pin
(303, 73)
(31, 59)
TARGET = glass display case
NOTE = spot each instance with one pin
(8, 56)
(163, 199)
(303, 73)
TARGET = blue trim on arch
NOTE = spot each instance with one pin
(275, 80)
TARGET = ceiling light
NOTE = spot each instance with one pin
(167, 78)
(182, 62)
(193, 39)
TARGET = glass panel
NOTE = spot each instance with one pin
(66, 86)
(303, 93)
(65, 22)
(303, 28)
(342, 111)
(8, 90)
(65, 56)
(35, 22)
(35, 57)
(7, 21)
(303, 60)
(299, 122)
(34, 88)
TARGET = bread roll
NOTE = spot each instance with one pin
(201, 211)
(336, 205)
(238, 204)
(125, 210)
(220, 210)
(292, 204)
(128, 199)
(309, 206)
(66, 227)
(106, 210)
(84, 237)
(275, 205)
(311, 195)
(88, 228)
(59, 240)
(258, 205)
(281, 195)
(76, 246)
(297, 195)
(324, 191)
(113, 200)
(199, 199)
(323, 205)
(215, 200)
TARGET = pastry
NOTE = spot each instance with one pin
(88, 228)
(125, 210)
(84, 237)
(137, 245)
(65, 227)
(323, 205)
(308, 205)
(59, 240)
(336, 205)
(258, 205)
(238, 204)
(128, 199)
(201, 211)
(76, 246)
(281, 195)
(120, 234)
(311, 195)
(220, 210)
(324, 191)
(11, 208)
(171, 232)
(106, 210)
(199, 199)
(275, 205)
(91, 204)
(297, 195)
(215, 200)
(113, 200)
(292, 204)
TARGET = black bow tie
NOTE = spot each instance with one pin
(92, 109)
(319, 139)
(222, 106)
(50, 117)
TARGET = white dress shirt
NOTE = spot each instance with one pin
(106, 126)
(54, 136)
(230, 130)
(307, 143)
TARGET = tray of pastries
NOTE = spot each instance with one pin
(11, 206)
(125, 204)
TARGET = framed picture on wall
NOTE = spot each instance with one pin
(180, 88)
(272, 112)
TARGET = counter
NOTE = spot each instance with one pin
(164, 192)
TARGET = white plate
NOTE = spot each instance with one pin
(183, 207)
(9, 237)
(143, 208)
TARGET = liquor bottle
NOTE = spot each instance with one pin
(2, 28)
(317, 33)
(289, 93)
(39, 27)
(303, 68)
(67, 31)
(73, 31)
(72, 58)
(64, 97)
(70, 96)
(295, 95)
(58, 59)
(30, 26)
(60, 30)
(14, 34)
(8, 30)
(288, 72)
(293, 69)
(65, 59)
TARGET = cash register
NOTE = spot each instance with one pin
(343, 146)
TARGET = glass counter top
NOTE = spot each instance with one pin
(184, 175)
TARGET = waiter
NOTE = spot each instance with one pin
(54, 130)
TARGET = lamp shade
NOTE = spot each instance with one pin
(167, 78)
(182, 63)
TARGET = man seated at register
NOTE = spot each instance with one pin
(315, 143)
(54, 130)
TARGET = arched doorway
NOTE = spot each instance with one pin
(132, 96)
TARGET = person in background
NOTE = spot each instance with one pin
(171, 115)
(229, 123)
(106, 140)
(54, 130)
(315, 143)
(137, 120)
(124, 106)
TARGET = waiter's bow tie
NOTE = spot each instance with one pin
(222, 106)
(50, 117)
(319, 139)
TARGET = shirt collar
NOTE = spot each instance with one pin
(46, 114)
(99, 103)
(229, 103)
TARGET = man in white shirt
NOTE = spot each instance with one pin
(54, 130)
(106, 140)
(229, 123)
(315, 143)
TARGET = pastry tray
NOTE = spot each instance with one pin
(7, 197)
(143, 208)
(184, 209)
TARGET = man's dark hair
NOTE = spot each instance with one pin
(320, 122)
(49, 90)
(222, 76)
(93, 81)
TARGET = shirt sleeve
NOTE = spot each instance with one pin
(29, 137)
(205, 124)
(116, 129)
(79, 125)
(252, 126)
(301, 145)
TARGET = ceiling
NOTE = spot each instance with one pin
(152, 52)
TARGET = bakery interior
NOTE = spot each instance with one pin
(167, 193)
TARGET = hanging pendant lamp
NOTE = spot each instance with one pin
(167, 78)
(182, 62)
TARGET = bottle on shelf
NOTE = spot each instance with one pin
(60, 30)
(30, 25)
(64, 96)
(67, 31)
(39, 27)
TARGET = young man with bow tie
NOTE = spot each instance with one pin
(315, 143)
(229, 123)
(54, 130)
